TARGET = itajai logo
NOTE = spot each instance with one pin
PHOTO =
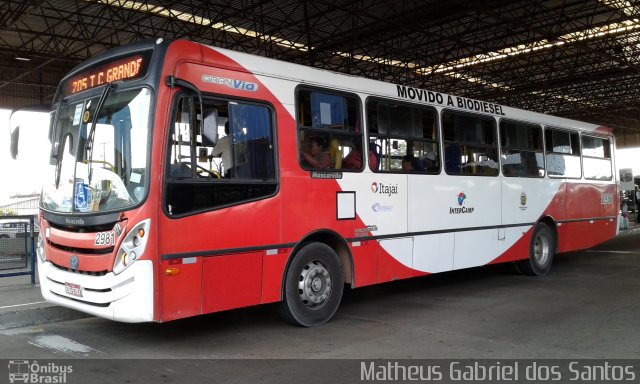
(461, 208)
(384, 189)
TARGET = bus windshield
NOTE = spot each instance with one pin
(99, 162)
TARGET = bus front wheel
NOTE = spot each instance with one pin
(541, 252)
(313, 286)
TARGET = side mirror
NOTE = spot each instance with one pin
(33, 120)
(13, 146)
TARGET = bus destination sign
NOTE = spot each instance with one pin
(128, 68)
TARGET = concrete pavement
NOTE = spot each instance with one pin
(21, 305)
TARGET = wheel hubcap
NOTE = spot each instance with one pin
(541, 249)
(314, 285)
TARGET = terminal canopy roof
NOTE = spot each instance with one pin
(573, 58)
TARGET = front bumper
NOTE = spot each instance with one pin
(126, 297)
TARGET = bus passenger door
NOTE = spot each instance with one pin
(428, 216)
(526, 193)
(471, 193)
(474, 216)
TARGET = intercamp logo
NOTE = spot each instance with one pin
(461, 208)
(461, 198)
(25, 371)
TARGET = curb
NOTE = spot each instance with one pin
(626, 232)
(39, 316)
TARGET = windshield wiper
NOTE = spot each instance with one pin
(89, 144)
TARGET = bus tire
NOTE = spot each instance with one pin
(313, 286)
(541, 252)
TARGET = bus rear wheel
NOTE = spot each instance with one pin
(313, 286)
(541, 252)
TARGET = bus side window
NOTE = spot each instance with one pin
(562, 153)
(400, 134)
(252, 145)
(522, 154)
(227, 160)
(470, 144)
(596, 161)
(452, 158)
(329, 131)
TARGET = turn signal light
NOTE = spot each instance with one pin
(171, 271)
(125, 259)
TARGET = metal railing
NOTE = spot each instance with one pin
(17, 246)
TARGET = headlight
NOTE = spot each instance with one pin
(132, 247)
(40, 248)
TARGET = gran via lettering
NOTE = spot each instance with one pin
(240, 85)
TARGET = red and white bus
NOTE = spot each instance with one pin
(187, 179)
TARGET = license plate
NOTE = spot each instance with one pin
(73, 289)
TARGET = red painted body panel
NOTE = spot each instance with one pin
(518, 251)
(557, 208)
(576, 235)
(231, 281)
(569, 204)
(78, 240)
(365, 261)
(585, 234)
(273, 267)
(181, 292)
(87, 263)
(390, 269)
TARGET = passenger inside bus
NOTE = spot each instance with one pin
(222, 149)
(431, 162)
(375, 155)
(316, 156)
(408, 163)
(353, 159)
